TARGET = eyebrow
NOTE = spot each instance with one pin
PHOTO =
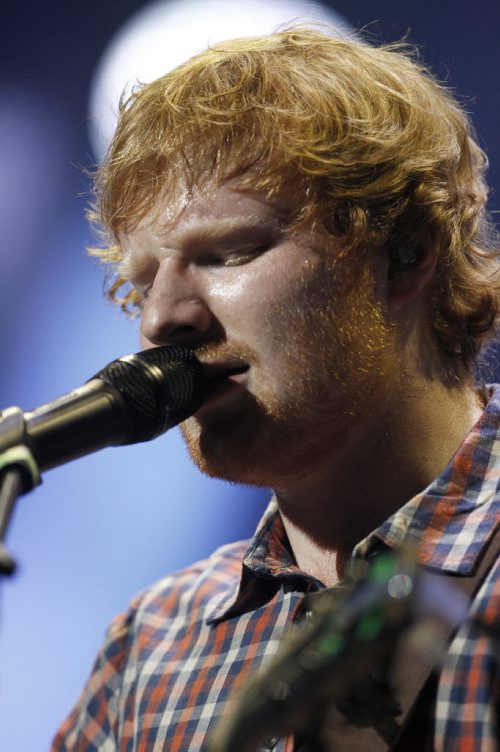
(221, 229)
(230, 232)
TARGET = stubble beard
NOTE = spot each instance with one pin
(335, 371)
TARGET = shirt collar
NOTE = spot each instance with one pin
(455, 516)
(451, 521)
(267, 564)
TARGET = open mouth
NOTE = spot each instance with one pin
(235, 371)
(221, 376)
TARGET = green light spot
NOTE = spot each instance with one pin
(383, 568)
(331, 644)
(369, 627)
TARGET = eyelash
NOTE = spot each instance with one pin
(243, 258)
(239, 257)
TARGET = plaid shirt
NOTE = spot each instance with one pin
(169, 664)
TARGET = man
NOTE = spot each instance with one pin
(308, 214)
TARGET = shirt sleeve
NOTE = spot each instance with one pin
(93, 723)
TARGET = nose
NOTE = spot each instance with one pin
(176, 311)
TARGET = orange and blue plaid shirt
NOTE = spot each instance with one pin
(169, 665)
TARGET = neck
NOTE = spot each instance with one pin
(384, 463)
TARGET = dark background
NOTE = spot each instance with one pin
(104, 527)
(52, 48)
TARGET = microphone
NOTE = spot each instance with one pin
(133, 399)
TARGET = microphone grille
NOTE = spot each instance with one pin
(160, 387)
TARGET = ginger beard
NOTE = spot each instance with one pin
(327, 363)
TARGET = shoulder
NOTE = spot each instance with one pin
(473, 653)
(160, 619)
(470, 675)
(190, 593)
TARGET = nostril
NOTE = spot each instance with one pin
(184, 334)
(189, 323)
(172, 319)
(183, 330)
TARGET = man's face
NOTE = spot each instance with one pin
(296, 334)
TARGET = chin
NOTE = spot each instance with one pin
(261, 451)
(225, 449)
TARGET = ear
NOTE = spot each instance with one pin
(408, 275)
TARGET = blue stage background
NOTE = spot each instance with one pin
(101, 528)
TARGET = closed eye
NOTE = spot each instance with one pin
(236, 258)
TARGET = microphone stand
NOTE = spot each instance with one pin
(19, 473)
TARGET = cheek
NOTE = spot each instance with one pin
(331, 318)
(230, 290)
(249, 301)
(297, 301)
